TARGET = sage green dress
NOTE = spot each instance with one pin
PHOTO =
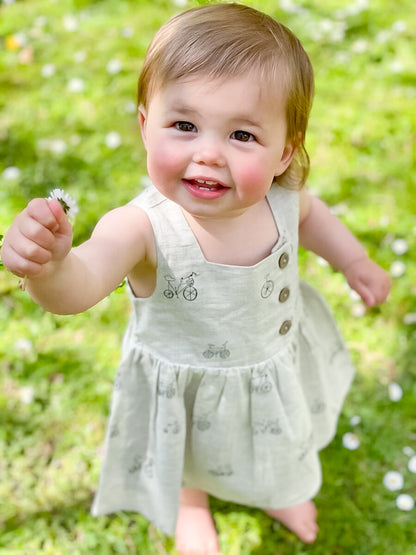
(232, 378)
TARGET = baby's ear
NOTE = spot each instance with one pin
(287, 156)
(142, 117)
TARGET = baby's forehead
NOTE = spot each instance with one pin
(267, 91)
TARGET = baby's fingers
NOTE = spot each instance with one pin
(40, 211)
(21, 262)
(366, 294)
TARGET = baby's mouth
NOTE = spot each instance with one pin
(205, 184)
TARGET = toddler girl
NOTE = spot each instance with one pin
(233, 372)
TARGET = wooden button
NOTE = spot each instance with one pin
(285, 327)
(284, 294)
(283, 260)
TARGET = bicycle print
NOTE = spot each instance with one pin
(185, 285)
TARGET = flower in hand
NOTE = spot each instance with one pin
(68, 203)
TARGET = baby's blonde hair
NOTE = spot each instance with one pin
(229, 40)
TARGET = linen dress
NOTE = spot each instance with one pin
(231, 380)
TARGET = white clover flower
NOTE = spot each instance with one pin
(23, 346)
(395, 392)
(383, 36)
(70, 23)
(359, 46)
(113, 139)
(11, 173)
(20, 38)
(393, 480)
(76, 85)
(130, 107)
(57, 146)
(40, 21)
(355, 420)
(412, 464)
(399, 26)
(396, 66)
(358, 310)
(26, 394)
(75, 139)
(350, 441)
(114, 66)
(80, 56)
(404, 502)
(398, 268)
(67, 202)
(127, 32)
(399, 246)
(48, 70)
(409, 318)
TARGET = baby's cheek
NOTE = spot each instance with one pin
(163, 163)
(254, 180)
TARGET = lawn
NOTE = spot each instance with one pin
(67, 98)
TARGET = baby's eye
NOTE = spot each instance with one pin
(243, 136)
(185, 126)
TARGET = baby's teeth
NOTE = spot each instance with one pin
(203, 182)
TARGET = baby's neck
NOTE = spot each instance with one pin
(242, 240)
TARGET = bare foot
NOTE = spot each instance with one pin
(195, 530)
(301, 519)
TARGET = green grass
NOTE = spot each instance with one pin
(362, 145)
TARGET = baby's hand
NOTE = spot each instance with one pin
(370, 281)
(39, 235)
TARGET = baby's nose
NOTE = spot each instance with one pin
(209, 152)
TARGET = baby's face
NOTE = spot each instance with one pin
(215, 146)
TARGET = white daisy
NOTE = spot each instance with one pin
(355, 420)
(76, 85)
(57, 146)
(23, 346)
(114, 66)
(350, 441)
(113, 139)
(80, 56)
(26, 394)
(127, 32)
(408, 451)
(67, 202)
(398, 268)
(70, 23)
(393, 480)
(399, 246)
(409, 318)
(395, 392)
(11, 173)
(130, 107)
(48, 70)
(412, 465)
(405, 502)
(358, 310)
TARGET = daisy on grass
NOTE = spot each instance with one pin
(350, 441)
(393, 480)
(67, 202)
(412, 464)
(405, 502)
(395, 392)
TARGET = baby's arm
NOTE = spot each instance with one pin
(324, 234)
(64, 280)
